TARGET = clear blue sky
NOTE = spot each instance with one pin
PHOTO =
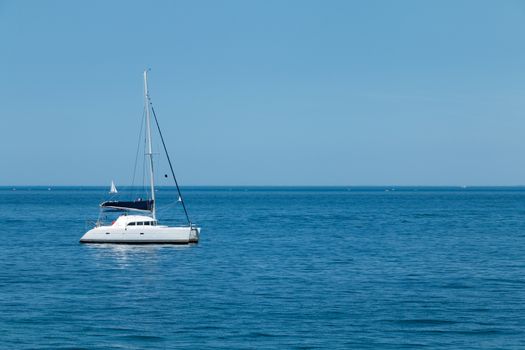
(266, 92)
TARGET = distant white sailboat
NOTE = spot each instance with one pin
(142, 227)
(113, 189)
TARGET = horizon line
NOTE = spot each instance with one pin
(160, 186)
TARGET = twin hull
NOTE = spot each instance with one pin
(142, 235)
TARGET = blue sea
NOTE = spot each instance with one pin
(276, 268)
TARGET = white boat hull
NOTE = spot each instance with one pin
(142, 235)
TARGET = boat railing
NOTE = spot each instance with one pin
(93, 223)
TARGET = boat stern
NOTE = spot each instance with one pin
(194, 234)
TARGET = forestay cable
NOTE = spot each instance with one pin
(169, 162)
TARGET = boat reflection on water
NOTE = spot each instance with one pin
(127, 255)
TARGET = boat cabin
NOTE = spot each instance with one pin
(134, 220)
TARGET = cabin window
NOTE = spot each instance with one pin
(143, 223)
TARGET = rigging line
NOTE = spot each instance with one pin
(143, 193)
(169, 162)
(144, 167)
(137, 154)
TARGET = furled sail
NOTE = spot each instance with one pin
(139, 205)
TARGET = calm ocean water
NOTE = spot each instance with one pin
(276, 268)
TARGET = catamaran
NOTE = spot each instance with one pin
(137, 223)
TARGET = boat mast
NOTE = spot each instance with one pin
(148, 132)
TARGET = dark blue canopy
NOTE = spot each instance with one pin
(139, 205)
